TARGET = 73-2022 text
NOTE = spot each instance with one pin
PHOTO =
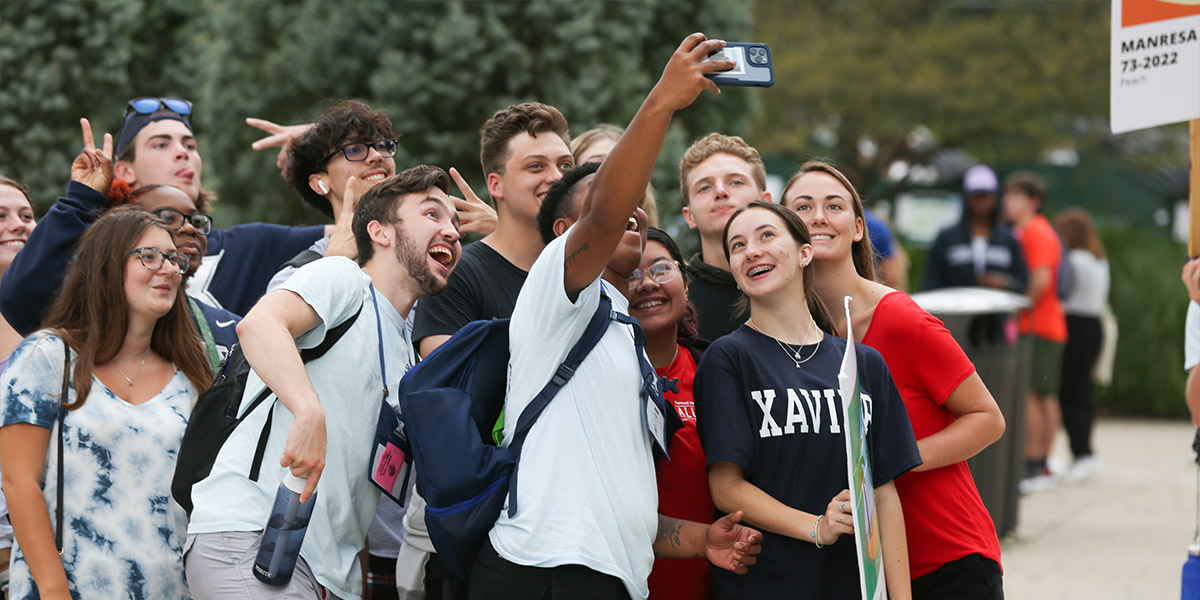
(1149, 62)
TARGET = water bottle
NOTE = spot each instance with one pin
(285, 531)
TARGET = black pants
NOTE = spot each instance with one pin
(1084, 336)
(493, 578)
(971, 576)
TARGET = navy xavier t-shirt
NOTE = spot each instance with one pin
(783, 425)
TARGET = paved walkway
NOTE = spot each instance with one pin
(1123, 534)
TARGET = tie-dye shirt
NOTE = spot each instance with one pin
(123, 533)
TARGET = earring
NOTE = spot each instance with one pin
(804, 264)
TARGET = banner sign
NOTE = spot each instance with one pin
(1155, 70)
(857, 417)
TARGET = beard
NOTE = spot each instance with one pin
(415, 262)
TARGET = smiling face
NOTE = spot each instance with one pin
(716, 188)
(427, 239)
(764, 257)
(658, 306)
(16, 223)
(189, 241)
(149, 293)
(372, 170)
(827, 209)
(534, 163)
(165, 153)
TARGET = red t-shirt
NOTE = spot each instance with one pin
(1043, 250)
(944, 517)
(683, 489)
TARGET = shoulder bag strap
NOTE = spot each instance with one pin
(62, 413)
(310, 354)
(210, 344)
(591, 336)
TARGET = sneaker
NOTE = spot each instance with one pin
(1083, 468)
(1041, 482)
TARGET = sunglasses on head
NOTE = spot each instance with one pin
(150, 105)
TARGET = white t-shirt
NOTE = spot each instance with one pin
(347, 380)
(585, 488)
(1090, 292)
(1191, 337)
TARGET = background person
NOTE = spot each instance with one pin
(1085, 336)
(595, 144)
(781, 459)
(1045, 322)
(953, 551)
(658, 291)
(16, 222)
(137, 368)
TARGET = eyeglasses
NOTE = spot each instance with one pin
(175, 219)
(152, 258)
(148, 106)
(660, 272)
(358, 151)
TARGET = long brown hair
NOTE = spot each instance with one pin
(1078, 231)
(92, 314)
(799, 232)
(861, 250)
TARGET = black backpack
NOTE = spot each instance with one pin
(215, 416)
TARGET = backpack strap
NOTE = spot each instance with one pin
(306, 356)
(591, 336)
(303, 258)
(651, 389)
(214, 361)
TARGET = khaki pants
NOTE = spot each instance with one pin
(218, 567)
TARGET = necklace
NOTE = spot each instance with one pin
(793, 355)
(130, 380)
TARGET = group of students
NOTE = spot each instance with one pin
(752, 502)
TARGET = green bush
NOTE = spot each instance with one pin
(1150, 304)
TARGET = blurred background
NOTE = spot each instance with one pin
(903, 95)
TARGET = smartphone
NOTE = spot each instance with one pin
(753, 68)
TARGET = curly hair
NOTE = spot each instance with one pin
(560, 199)
(346, 122)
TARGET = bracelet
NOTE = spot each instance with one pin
(814, 533)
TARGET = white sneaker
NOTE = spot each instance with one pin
(1083, 468)
(1038, 483)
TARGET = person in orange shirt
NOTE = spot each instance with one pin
(1045, 321)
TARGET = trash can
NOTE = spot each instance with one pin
(983, 322)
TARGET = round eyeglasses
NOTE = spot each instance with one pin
(358, 151)
(152, 258)
(660, 272)
(175, 219)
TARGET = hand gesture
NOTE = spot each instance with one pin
(839, 519)
(1191, 278)
(730, 545)
(280, 137)
(93, 168)
(341, 241)
(684, 76)
(474, 215)
(304, 450)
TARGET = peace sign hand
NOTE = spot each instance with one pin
(93, 168)
(474, 215)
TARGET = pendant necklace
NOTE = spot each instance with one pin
(793, 355)
(139, 369)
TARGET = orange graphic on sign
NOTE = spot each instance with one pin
(1140, 12)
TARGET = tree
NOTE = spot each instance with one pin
(1003, 80)
(440, 68)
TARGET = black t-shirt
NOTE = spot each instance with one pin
(783, 425)
(484, 285)
(714, 293)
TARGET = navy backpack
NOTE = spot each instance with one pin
(449, 403)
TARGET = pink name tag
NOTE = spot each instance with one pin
(389, 466)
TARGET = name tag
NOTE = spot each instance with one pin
(388, 469)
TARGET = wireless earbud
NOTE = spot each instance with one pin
(321, 184)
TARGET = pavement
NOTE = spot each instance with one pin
(1123, 534)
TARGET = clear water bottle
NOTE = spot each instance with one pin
(280, 546)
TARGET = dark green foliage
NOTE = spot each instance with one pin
(1150, 304)
(440, 68)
